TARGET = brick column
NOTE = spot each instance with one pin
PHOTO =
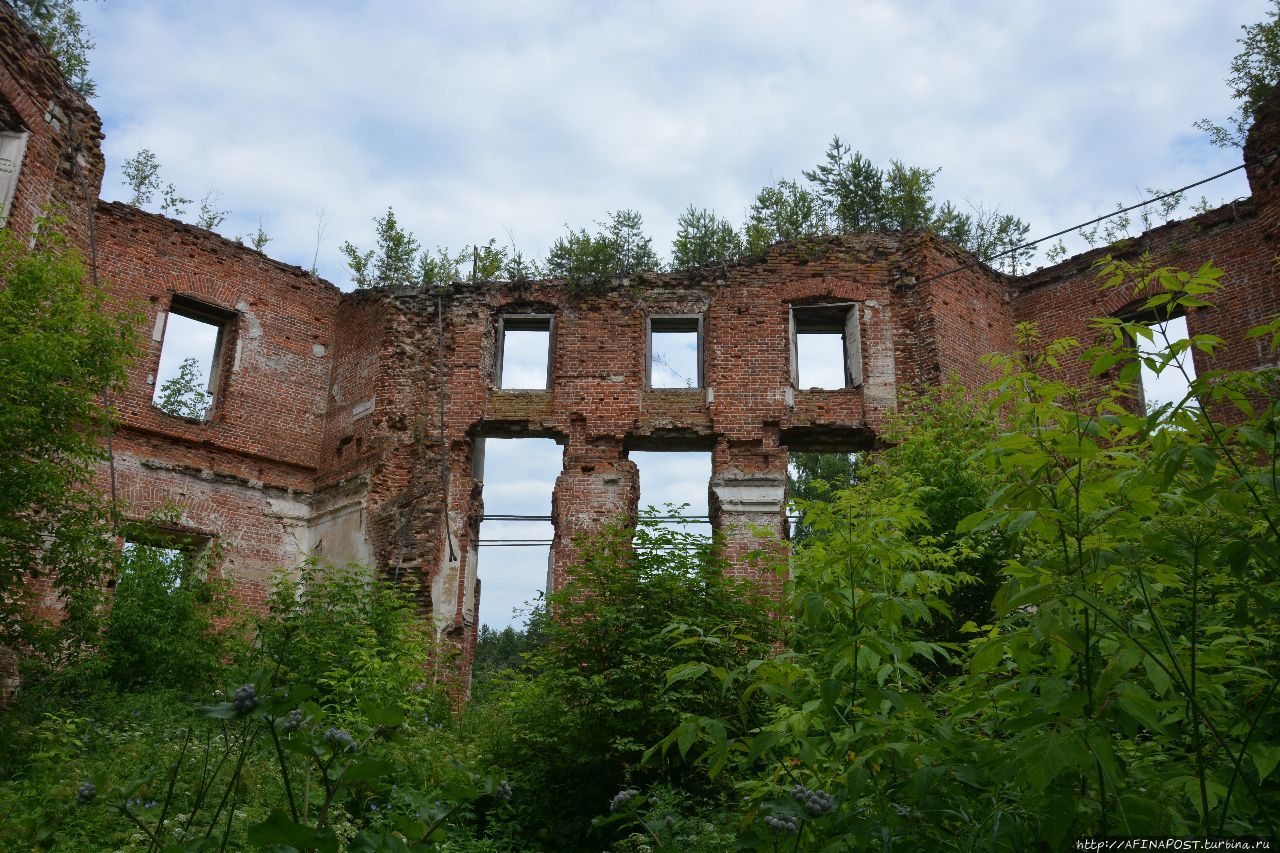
(598, 486)
(455, 588)
(748, 506)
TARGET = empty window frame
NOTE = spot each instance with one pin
(826, 347)
(1173, 382)
(162, 555)
(675, 351)
(524, 351)
(191, 356)
(13, 144)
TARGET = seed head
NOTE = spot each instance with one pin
(621, 798)
(816, 802)
(782, 824)
(293, 722)
(339, 740)
(245, 700)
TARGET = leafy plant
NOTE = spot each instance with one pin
(575, 730)
(619, 248)
(62, 348)
(1255, 70)
(1125, 682)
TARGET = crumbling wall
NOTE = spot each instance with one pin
(63, 160)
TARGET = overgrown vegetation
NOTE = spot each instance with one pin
(1037, 615)
(59, 26)
(61, 353)
(844, 194)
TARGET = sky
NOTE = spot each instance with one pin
(514, 120)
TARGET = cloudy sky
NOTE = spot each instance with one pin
(511, 120)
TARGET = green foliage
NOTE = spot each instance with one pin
(58, 24)
(576, 730)
(1255, 70)
(210, 217)
(399, 260)
(1125, 683)
(61, 347)
(395, 259)
(170, 622)
(619, 249)
(351, 638)
(859, 196)
(182, 396)
(502, 653)
(142, 177)
(785, 211)
(704, 239)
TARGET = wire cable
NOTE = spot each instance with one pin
(987, 260)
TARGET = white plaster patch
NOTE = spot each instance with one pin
(749, 494)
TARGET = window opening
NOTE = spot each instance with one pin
(166, 556)
(186, 382)
(524, 352)
(13, 145)
(514, 551)
(812, 476)
(1172, 384)
(669, 479)
(826, 350)
(675, 352)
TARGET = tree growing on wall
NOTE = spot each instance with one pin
(1255, 70)
(618, 248)
(182, 396)
(703, 238)
(58, 24)
(60, 349)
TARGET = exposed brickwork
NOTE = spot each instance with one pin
(326, 434)
(66, 133)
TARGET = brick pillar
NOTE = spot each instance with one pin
(455, 588)
(598, 486)
(748, 506)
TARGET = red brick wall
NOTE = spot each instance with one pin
(64, 129)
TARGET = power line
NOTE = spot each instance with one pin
(987, 260)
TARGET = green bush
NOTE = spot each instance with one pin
(1126, 681)
(352, 638)
(170, 622)
(574, 732)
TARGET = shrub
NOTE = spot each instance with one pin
(169, 620)
(578, 727)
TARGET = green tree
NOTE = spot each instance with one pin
(1126, 681)
(1255, 70)
(704, 239)
(58, 24)
(62, 346)
(393, 261)
(142, 177)
(575, 732)
(619, 248)
(858, 197)
(182, 395)
(398, 259)
(169, 622)
(785, 211)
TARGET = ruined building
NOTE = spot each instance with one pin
(326, 432)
